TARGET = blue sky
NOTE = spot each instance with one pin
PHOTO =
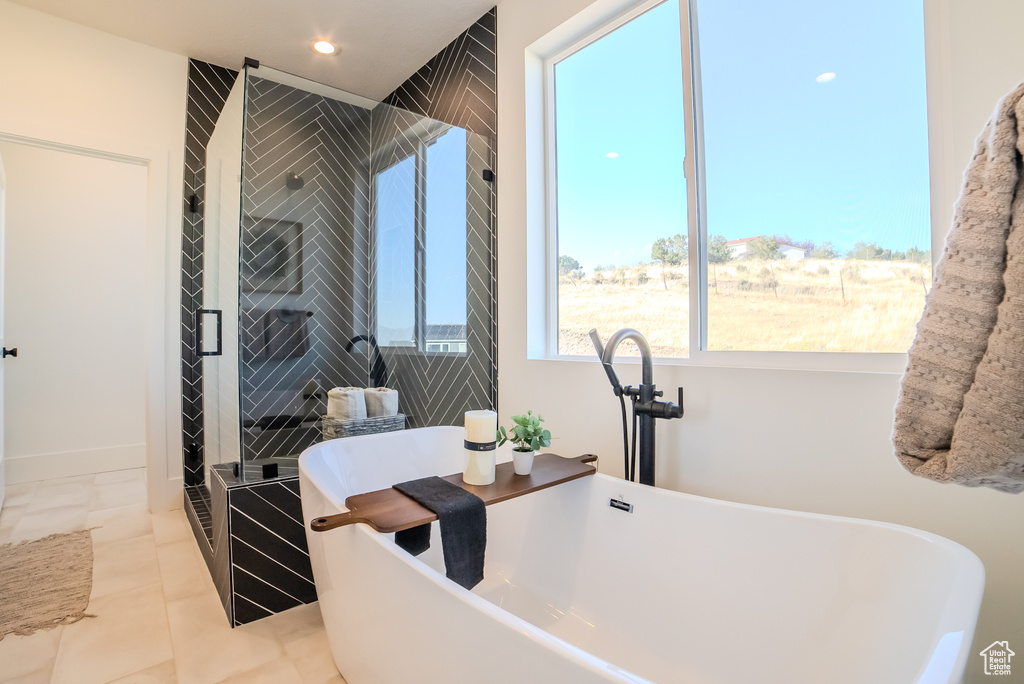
(837, 160)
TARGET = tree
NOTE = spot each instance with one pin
(718, 250)
(764, 247)
(918, 256)
(575, 277)
(718, 253)
(671, 251)
(868, 251)
(566, 264)
(825, 250)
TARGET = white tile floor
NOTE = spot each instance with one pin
(159, 618)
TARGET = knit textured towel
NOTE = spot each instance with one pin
(381, 401)
(960, 413)
(346, 403)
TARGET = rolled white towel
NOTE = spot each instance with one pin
(381, 401)
(346, 403)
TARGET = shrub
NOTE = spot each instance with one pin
(566, 264)
(851, 273)
(745, 285)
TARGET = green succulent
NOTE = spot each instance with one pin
(526, 433)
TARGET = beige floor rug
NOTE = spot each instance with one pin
(45, 583)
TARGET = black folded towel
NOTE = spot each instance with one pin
(463, 519)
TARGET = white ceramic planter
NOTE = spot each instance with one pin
(522, 461)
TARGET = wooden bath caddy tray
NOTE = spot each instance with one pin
(388, 510)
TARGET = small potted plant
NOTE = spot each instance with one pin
(528, 436)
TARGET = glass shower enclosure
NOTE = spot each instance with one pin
(346, 243)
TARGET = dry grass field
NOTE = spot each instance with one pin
(840, 305)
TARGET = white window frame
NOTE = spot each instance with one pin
(584, 30)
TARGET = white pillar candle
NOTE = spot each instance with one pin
(481, 427)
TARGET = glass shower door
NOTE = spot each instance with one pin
(217, 321)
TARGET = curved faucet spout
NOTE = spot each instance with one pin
(617, 338)
(378, 370)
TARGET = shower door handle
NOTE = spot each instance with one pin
(199, 332)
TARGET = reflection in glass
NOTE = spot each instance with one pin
(396, 269)
(446, 243)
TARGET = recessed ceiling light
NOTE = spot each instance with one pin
(323, 47)
(825, 77)
(612, 155)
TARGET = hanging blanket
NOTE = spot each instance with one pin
(960, 413)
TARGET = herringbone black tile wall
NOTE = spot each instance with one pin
(459, 84)
(270, 568)
(208, 88)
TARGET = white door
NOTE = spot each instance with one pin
(74, 283)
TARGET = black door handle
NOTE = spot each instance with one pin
(10, 352)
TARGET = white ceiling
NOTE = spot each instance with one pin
(380, 42)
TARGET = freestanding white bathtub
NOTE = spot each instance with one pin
(683, 589)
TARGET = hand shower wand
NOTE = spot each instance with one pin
(620, 392)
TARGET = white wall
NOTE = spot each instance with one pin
(728, 444)
(72, 85)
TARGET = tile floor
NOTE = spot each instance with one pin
(159, 618)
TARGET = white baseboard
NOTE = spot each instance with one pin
(71, 463)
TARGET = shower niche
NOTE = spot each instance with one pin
(345, 242)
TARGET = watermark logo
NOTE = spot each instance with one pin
(997, 658)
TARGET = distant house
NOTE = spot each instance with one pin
(446, 338)
(739, 249)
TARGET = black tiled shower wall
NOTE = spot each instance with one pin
(270, 568)
(459, 84)
(260, 560)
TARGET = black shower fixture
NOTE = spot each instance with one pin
(294, 181)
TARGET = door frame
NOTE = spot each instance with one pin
(3, 256)
(162, 286)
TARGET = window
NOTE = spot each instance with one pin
(619, 146)
(810, 230)
(420, 225)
